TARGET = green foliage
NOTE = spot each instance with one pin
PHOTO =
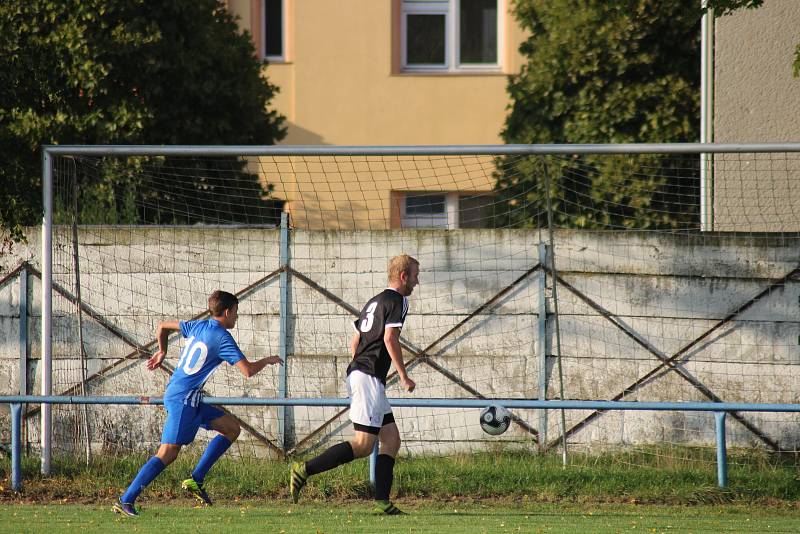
(665, 474)
(121, 72)
(603, 72)
(726, 7)
(796, 64)
(162, 190)
(610, 72)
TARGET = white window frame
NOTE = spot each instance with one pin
(446, 220)
(281, 58)
(452, 37)
(425, 8)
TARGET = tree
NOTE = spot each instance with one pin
(122, 72)
(603, 72)
(726, 7)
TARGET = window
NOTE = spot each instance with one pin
(474, 211)
(445, 210)
(421, 210)
(273, 29)
(425, 41)
(478, 31)
(450, 35)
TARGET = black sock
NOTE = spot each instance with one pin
(384, 475)
(339, 454)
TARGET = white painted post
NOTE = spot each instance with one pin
(47, 307)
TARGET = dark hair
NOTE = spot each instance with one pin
(219, 301)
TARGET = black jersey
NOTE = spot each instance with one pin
(385, 310)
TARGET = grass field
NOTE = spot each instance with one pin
(652, 476)
(647, 490)
(425, 517)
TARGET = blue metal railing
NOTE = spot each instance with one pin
(719, 409)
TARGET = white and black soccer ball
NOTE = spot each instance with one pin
(495, 419)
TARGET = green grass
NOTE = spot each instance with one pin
(436, 518)
(645, 490)
(653, 475)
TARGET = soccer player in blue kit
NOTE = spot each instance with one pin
(208, 344)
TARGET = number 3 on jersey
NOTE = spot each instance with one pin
(189, 352)
(366, 323)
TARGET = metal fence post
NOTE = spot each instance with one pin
(373, 462)
(722, 450)
(541, 345)
(284, 332)
(47, 308)
(16, 409)
(16, 446)
(23, 331)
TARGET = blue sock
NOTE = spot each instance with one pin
(215, 449)
(149, 471)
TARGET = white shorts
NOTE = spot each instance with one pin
(368, 402)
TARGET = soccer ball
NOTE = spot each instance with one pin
(495, 419)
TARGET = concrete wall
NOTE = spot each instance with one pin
(667, 290)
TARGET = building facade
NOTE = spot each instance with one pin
(757, 100)
(385, 72)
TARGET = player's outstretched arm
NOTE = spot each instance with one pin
(163, 331)
(248, 368)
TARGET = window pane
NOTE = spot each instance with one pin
(478, 31)
(474, 211)
(424, 221)
(425, 40)
(273, 27)
(424, 204)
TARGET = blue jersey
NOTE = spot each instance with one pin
(208, 344)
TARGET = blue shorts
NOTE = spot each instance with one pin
(184, 420)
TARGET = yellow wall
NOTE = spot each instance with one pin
(360, 192)
(341, 85)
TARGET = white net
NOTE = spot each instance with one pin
(648, 303)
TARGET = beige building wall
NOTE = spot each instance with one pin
(327, 193)
(757, 100)
(341, 83)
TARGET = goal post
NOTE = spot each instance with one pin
(572, 272)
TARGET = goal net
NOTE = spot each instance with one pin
(655, 276)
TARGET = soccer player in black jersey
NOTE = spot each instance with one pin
(375, 346)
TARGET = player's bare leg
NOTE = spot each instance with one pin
(359, 447)
(167, 452)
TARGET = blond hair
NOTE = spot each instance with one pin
(400, 264)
